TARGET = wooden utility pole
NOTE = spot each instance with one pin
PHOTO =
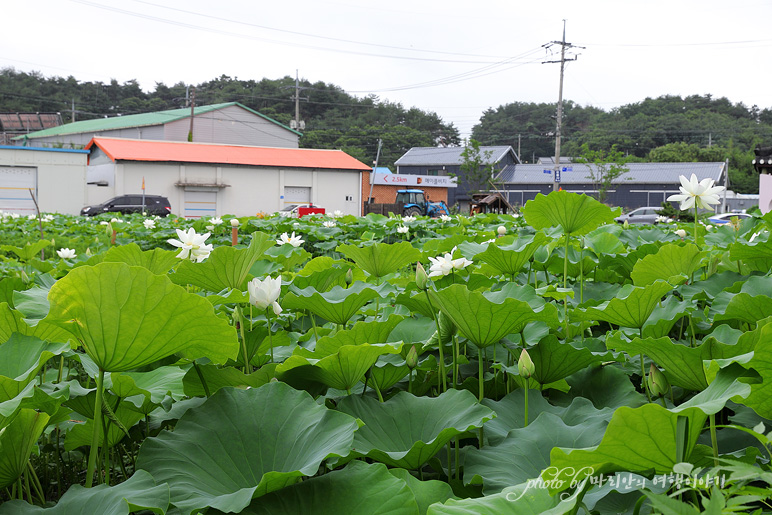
(192, 111)
(559, 123)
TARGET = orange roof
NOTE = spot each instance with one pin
(184, 152)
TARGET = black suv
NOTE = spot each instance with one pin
(125, 204)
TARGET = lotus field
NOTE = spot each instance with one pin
(547, 362)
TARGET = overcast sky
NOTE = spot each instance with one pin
(456, 58)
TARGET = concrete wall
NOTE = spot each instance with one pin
(61, 176)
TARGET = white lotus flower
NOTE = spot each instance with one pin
(149, 223)
(48, 218)
(408, 219)
(66, 253)
(265, 293)
(441, 265)
(192, 245)
(329, 223)
(445, 218)
(702, 194)
(31, 217)
(461, 263)
(293, 240)
(681, 233)
(708, 227)
(402, 229)
(662, 219)
(209, 228)
(501, 230)
(337, 214)
(216, 221)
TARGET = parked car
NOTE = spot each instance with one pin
(291, 209)
(125, 204)
(642, 215)
(724, 218)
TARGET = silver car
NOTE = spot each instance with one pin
(642, 215)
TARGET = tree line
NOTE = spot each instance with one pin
(668, 128)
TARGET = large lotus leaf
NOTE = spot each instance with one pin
(158, 261)
(605, 240)
(623, 263)
(216, 378)
(416, 302)
(651, 437)
(154, 385)
(17, 440)
(287, 256)
(32, 303)
(554, 360)
(631, 310)
(523, 499)
(136, 494)
(11, 321)
(80, 435)
(760, 398)
(730, 382)
(242, 444)
(8, 286)
(525, 452)
(665, 316)
(337, 305)
(575, 213)
(426, 492)
(126, 317)
(361, 332)
(386, 374)
(756, 255)
(673, 263)
(605, 387)
(341, 370)
(21, 357)
(381, 259)
(742, 306)
(486, 319)
(510, 259)
(355, 490)
(406, 431)
(510, 413)
(226, 266)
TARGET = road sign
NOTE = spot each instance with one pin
(557, 175)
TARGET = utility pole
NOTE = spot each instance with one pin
(559, 124)
(73, 110)
(192, 110)
(297, 123)
(375, 167)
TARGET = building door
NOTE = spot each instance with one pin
(199, 204)
(297, 195)
(15, 186)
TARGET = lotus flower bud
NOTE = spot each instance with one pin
(525, 366)
(501, 230)
(626, 224)
(235, 222)
(412, 358)
(421, 279)
(658, 383)
(681, 233)
(25, 278)
(349, 277)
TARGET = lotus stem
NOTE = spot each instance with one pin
(695, 225)
(643, 378)
(93, 451)
(243, 339)
(526, 403)
(714, 439)
(201, 378)
(442, 381)
(375, 385)
(456, 351)
(106, 449)
(270, 336)
(36, 483)
(481, 381)
(410, 382)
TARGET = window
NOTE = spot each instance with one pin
(433, 172)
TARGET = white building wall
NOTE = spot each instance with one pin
(61, 177)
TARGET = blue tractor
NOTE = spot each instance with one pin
(414, 203)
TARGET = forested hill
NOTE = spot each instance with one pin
(668, 128)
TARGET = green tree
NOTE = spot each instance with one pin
(605, 167)
(476, 166)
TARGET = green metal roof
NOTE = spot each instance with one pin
(139, 120)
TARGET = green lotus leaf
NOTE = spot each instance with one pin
(743, 307)
(426, 493)
(158, 261)
(510, 413)
(525, 452)
(323, 273)
(407, 431)
(11, 321)
(623, 264)
(32, 303)
(731, 381)
(631, 310)
(665, 316)
(80, 435)
(484, 319)
(381, 259)
(126, 317)
(21, 358)
(760, 398)
(415, 302)
(555, 360)
(523, 499)
(226, 266)
(216, 378)
(337, 305)
(357, 489)
(287, 256)
(605, 240)
(136, 494)
(17, 441)
(243, 444)
(510, 259)
(605, 386)
(577, 214)
(154, 385)
(673, 263)
(28, 251)
(387, 374)
(756, 255)
(341, 370)
(8, 286)
(361, 332)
